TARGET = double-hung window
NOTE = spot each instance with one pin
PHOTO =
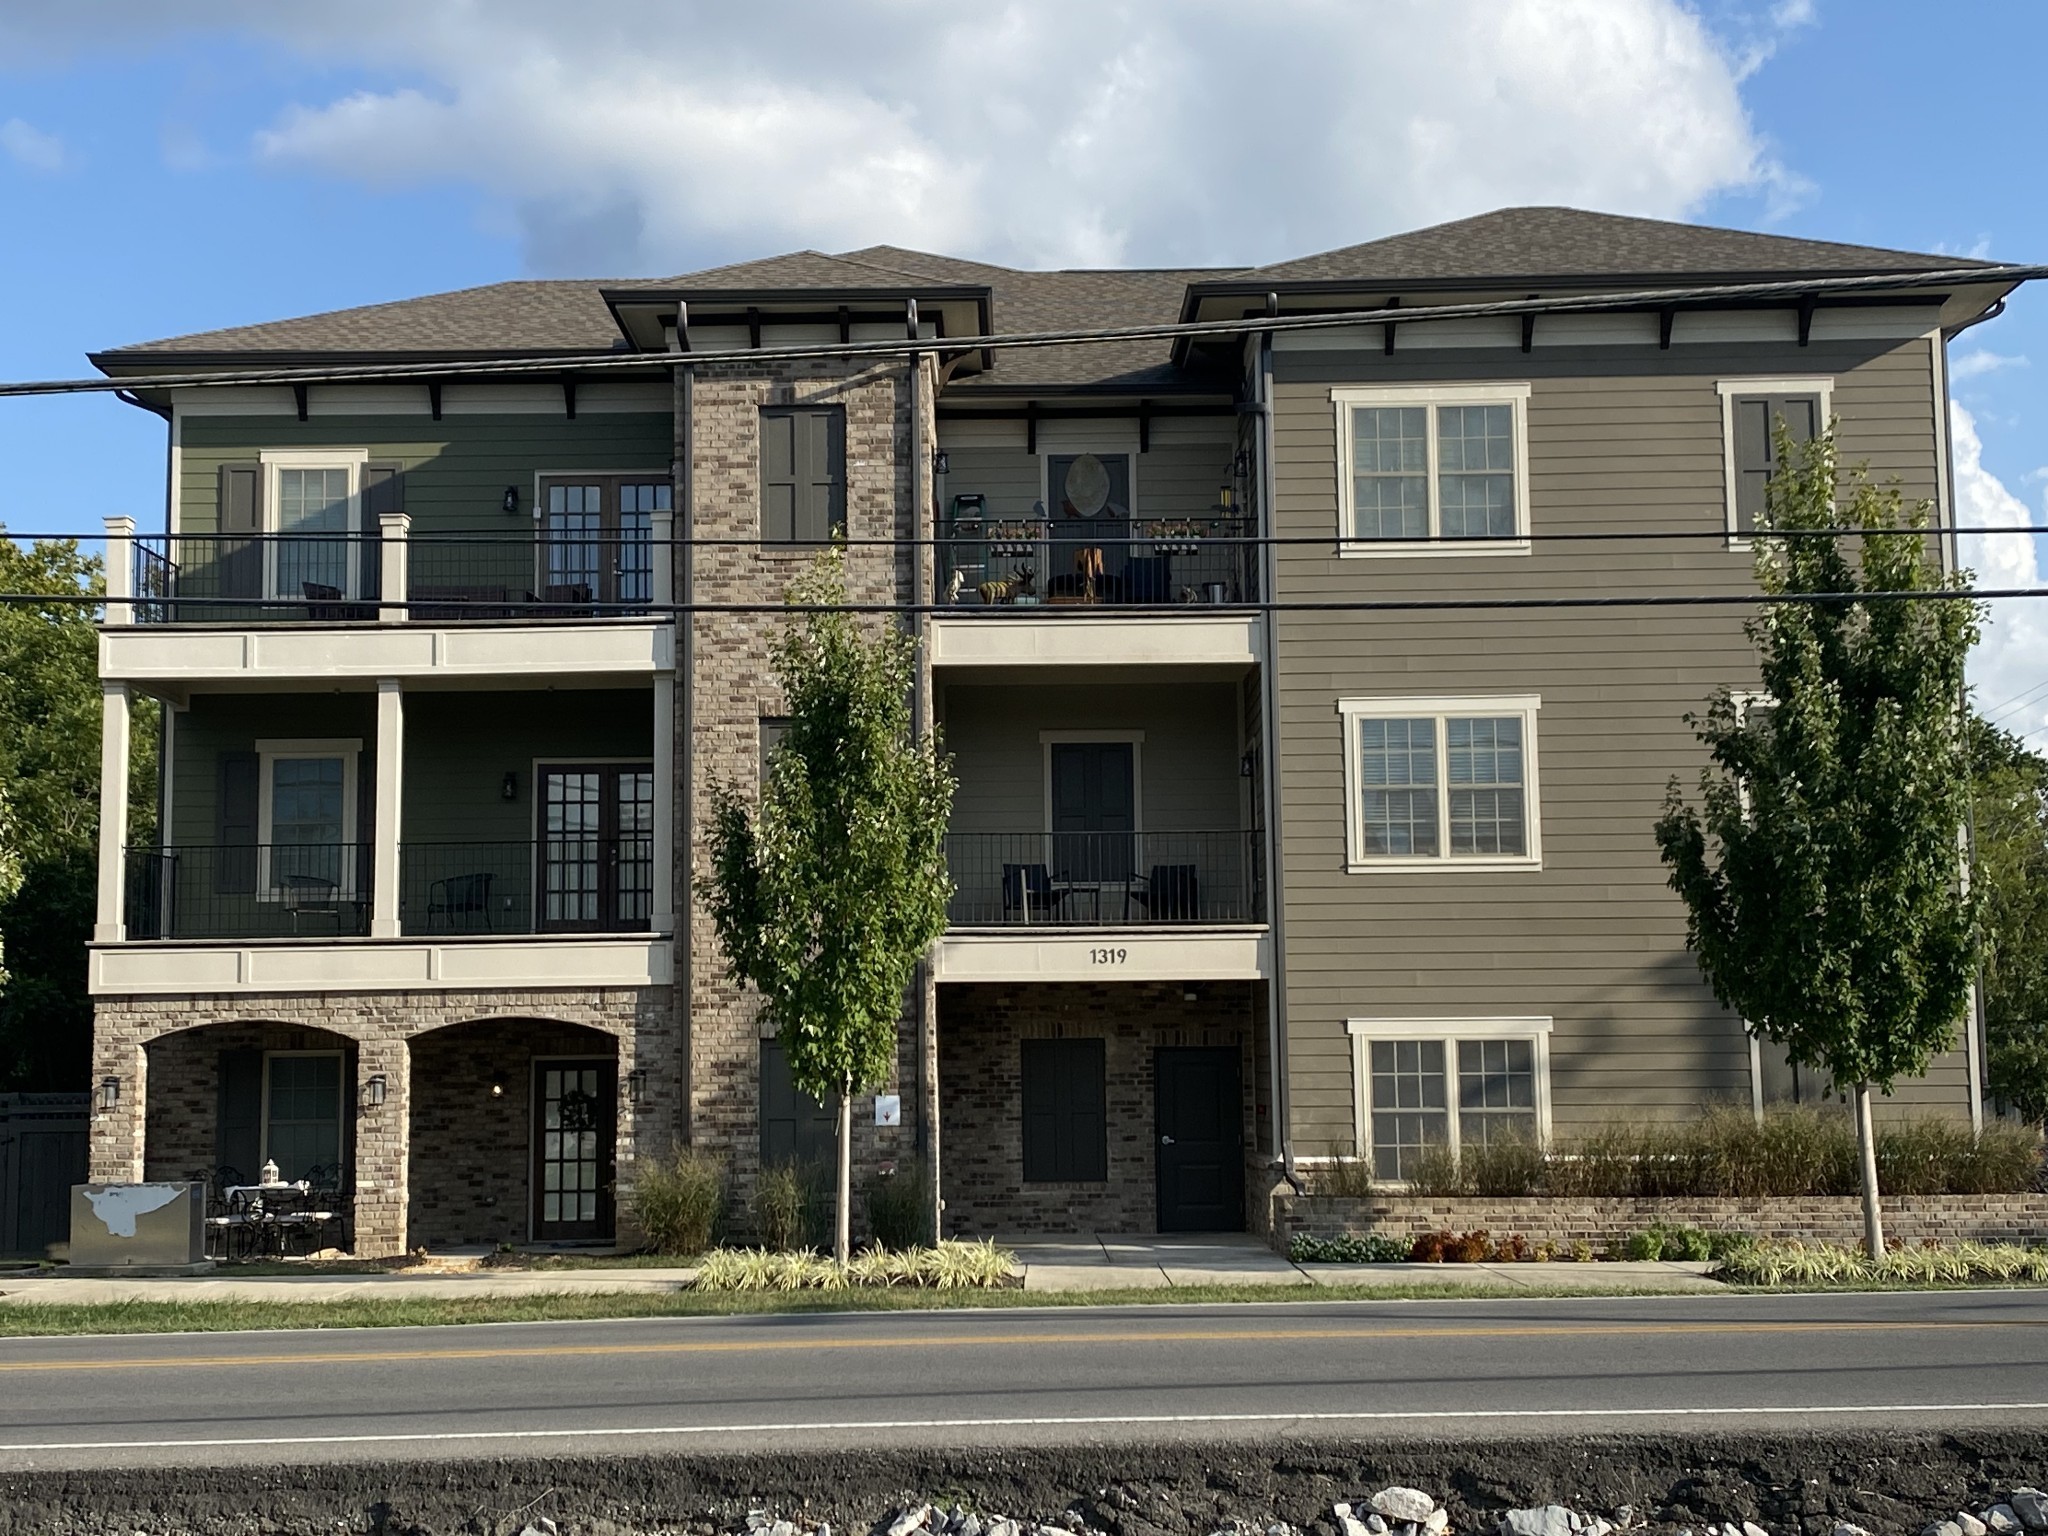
(1428, 470)
(306, 815)
(312, 505)
(302, 1102)
(1434, 783)
(1447, 1082)
(1751, 411)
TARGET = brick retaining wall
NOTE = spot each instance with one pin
(1909, 1219)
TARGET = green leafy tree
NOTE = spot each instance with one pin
(2009, 835)
(1821, 874)
(827, 895)
(50, 784)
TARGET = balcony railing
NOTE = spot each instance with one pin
(574, 884)
(249, 891)
(207, 578)
(1117, 563)
(1103, 879)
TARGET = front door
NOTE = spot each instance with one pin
(1200, 1156)
(575, 1117)
(1094, 810)
(595, 533)
(596, 848)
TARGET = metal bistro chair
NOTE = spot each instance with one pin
(230, 1229)
(1171, 894)
(319, 1219)
(311, 896)
(326, 603)
(463, 896)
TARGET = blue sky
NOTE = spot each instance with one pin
(243, 161)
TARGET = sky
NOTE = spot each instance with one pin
(166, 169)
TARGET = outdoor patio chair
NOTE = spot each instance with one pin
(328, 604)
(1171, 894)
(463, 896)
(1029, 888)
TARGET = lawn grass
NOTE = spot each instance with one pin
(34, 1319)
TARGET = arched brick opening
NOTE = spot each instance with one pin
(208, 1102)
(475, 1132)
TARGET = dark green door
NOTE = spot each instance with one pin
(1094, 810)
(1199, 1156)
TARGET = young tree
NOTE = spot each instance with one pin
(49, 779)
(1822, 875)
(2009, 835)
(826, 897)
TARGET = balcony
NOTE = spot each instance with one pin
(1103, 879)
(425, 578)
(1109, 563)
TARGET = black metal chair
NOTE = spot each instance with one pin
(320, 1219)
(463, 896)
(1171, 894)
(326, 603)
(230, 1228)
(1028, 888)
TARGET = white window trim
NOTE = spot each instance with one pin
(340, 1107)
(1351, 711)
(349, 750)
(1347, 398)
(351, 459)
(1136, 740)
(1729, 389)
(1363, 1032)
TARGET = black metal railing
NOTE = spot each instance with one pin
(574, 884)
(213, 578)
(1103, 879)
(249, 891)
(1116, 563)
(551, 574)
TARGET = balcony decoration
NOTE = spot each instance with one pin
(1015, 537)
(1174, 535)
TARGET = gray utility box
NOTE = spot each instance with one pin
(138, 1226)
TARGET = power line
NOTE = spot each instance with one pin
(590, 362)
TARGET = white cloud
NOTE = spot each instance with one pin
(1974, 365)
(31, 148)
(656, 135)
(2011, 664)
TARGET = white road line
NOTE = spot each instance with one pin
(1363, 1416)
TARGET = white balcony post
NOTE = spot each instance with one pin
(390, 786)
(662, 559)
(393, 528)
(108, 927)
(120, 570)
(664, 917)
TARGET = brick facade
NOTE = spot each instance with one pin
(981, 1102)
(417, 1156)
(730, 687)
(1909, 1219)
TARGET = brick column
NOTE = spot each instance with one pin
(117, 1136)
(382, 1135)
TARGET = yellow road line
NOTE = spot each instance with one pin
(997, 1340)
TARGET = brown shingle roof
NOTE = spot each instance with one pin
(1570, 242)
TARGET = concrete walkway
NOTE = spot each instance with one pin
(58, 1289)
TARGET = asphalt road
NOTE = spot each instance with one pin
(1481, 1368)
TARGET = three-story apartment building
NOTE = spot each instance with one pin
(1296, 815)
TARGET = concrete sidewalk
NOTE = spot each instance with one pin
(57, 1289)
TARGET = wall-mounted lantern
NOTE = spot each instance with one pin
(374, 1090)
(509, 789)
(497, 1088)
(511, 501)
(941, 465)
(636, 1086)
(110, 1092)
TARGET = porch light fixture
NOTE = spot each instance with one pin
(636, 1085)
(110, 1092)
(511, 501)
(374, 1090)
(940, 464)
(497, 1089)
(509, 790)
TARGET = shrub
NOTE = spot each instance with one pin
(1472, 1248)
(677, 1200)
(790, 1205)
(1662, 1242)
(1513, 1249)
(1344, 1176)
(2005, 1159)
(1368, 1249)
(1435, 1171)
(1504, 1167)
(949, 1266)
(1765, 1263)
(899, 1207)
(1429, 1247)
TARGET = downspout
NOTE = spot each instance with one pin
(1269, 704)
(926, 1078)
(1975, 1028)
(685, 724)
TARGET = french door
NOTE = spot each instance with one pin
(596, 849)
(594, 538)
(575, 1114)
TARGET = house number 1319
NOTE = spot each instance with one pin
(1109, 956)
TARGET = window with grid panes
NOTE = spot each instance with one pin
(1433, 470)
(1444, 786)
(1410, 1104)
(1496, 1090)
(1455, 1084)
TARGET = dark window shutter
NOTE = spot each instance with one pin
(239, 519)
(235, 832)
(773, 729)
(1066, 1123)
(238, 1128)
(778, 475)
(795, 1128)
(821, 496)
(1756, 418)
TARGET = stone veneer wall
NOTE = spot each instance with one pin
(730, 687)
(1909, 1219)
(980, 1026)
(133, 1036)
